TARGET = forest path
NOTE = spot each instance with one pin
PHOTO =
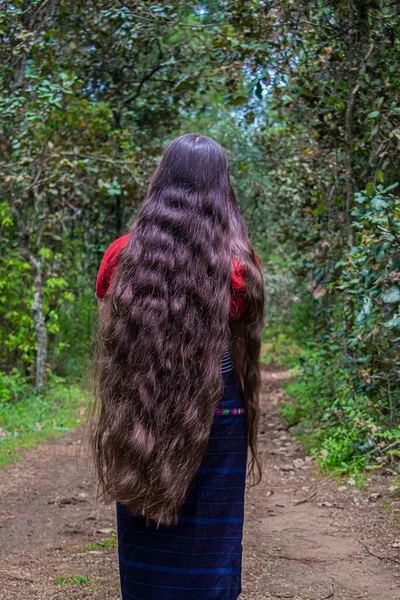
(305, 537)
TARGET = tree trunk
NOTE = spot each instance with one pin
(352, 89)
(40, 326)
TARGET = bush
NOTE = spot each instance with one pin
(13, 385)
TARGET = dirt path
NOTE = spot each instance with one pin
(305, 538)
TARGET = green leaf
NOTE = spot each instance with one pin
(370, 189)
(391, 187)
(393, 323)
(392, 296)
(373, 114)
(364, 312)
(379, 203)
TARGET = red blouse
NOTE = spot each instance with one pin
(110, 263)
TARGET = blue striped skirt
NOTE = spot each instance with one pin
(201, 556)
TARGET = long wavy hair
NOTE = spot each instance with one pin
(163, 330)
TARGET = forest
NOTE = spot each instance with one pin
(305, 97)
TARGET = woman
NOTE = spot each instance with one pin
(176, 413)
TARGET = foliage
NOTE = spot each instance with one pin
(347, 394)
(328, 150)
(370, 276)
(305, 97)
(89, 93)
(33, 419)
(13, 385)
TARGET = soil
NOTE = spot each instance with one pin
(307, 537)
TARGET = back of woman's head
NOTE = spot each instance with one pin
(192, 162)
(163, 332)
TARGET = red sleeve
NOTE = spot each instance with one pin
(108, 266)
(238, 287)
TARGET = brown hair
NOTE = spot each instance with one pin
(162, 334)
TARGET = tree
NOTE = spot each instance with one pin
(89, 91)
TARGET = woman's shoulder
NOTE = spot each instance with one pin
(110, 262)
(239, 269)
(108, 265)
(117, 245)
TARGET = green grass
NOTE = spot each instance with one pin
(97, 545)
(34, 419)
(79, 579)
(76, 580)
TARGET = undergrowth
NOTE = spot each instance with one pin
(341, 418)
(344, 429)
(29, 418)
